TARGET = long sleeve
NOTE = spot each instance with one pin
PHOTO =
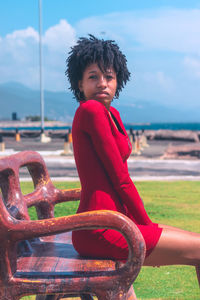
(95, 122)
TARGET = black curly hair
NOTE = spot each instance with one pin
(105, 53)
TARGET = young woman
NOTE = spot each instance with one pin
(97, 72)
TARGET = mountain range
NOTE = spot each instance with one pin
(61, 106)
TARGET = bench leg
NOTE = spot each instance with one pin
(109, 295)
(9, 293)
(8, 297)
(198, 274)
(103, 295)
(131, 294)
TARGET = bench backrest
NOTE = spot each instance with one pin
(45, 195)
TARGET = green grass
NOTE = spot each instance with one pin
(172, 203)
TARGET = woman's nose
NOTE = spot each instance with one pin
(102, 82)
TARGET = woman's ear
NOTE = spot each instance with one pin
(80, 85)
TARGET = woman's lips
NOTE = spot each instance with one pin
(101, 94)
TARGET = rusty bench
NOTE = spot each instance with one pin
(37, 256)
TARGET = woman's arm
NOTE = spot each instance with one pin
(96, 124)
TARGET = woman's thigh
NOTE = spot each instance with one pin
(175, 247)
(177, 229)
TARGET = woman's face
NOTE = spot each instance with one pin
(98, 85)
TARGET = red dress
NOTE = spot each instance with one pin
(101, 151)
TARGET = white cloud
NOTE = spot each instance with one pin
(193, 65)
(155, 43)
(146, 37)
(165, 81)
(59, 37)
(159, 79)
(23, 35)
(19, 55)
(166, 30)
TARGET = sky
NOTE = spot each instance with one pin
(160, 38)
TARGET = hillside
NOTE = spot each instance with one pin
(15, 97)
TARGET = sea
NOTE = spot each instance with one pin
(134, 126)
(167, 126)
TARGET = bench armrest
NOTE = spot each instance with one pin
(89, 220)
(67, 195)
(52, 195)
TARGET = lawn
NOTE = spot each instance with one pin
(173, 203)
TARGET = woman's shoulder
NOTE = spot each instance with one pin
(92, 106)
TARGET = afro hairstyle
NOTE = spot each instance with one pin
(105, 53)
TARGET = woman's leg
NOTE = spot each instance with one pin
(176, 228)
(174, 247)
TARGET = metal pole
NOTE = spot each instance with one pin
(41, 75)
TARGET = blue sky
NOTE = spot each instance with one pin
(161, 40)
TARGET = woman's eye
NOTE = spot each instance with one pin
(93, 77)
(109, 77)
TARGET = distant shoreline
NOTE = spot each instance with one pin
(187, 132)
(10, 125)
(58, 125)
